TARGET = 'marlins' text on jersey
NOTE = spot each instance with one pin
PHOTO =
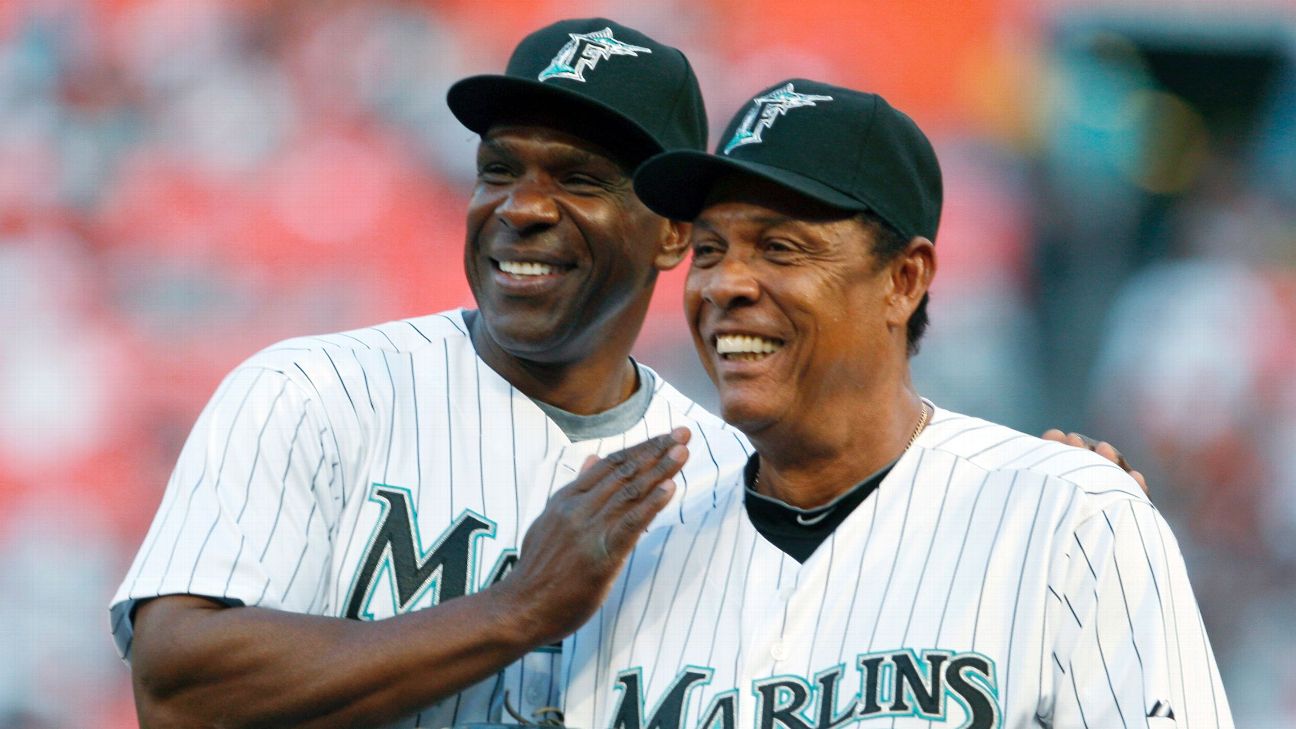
(890, 684)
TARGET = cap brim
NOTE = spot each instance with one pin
(676, 184)
(479, 102)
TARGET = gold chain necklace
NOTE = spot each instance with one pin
(922, 423)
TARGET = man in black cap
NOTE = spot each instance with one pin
(335, 481)
(880, 558)
(340, 490)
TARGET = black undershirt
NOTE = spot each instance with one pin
(778, 522)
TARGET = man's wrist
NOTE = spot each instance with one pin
(510, 615)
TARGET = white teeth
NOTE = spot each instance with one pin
(526, 268)
(743, 344)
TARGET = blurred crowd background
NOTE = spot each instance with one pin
(183, 182)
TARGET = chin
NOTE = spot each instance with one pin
(523, 333)
(747, 414)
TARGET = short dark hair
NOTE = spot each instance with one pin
(887, 244)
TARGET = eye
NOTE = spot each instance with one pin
(583, 182)
(780, 249)
(706, 252)
(494, 172)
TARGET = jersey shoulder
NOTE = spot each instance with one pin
(397, 337)
(996, 448)
(367, 347)
(342, 368)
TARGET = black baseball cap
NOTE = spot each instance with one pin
(848, 149)
(608, 83)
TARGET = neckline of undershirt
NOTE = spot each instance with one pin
(795, 531)
(614, 421)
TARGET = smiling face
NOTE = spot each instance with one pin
(794, 318)
(560, 253)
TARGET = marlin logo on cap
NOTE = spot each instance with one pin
(768, 108)
(593, 48)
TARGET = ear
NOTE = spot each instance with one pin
(673, 246)
(911, 275)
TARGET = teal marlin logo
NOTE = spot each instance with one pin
(584, 51)
(765, 110)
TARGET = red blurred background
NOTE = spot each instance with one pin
(183, 182)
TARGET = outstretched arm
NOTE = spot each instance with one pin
(198, 662)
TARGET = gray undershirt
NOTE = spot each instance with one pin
(609, 422)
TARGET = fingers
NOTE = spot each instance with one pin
(616, 497)
(1076, 440)
(623, 489)
(1108, 451)
(1080, 440)
(625, 464)
(1141, 481)
(1102, 448)
(623, 535)
(629, 487)
(574, 550)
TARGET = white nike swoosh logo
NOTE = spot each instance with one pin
(804, 520)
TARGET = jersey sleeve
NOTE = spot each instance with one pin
(247, 515)
(1130, 649)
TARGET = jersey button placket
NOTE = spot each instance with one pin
(779, 651)
(786, 593)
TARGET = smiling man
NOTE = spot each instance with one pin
(345, 539)
(339, 543)
(882, 561)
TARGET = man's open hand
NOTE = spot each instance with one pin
(574, 551)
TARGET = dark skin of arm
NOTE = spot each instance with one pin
(198, 663)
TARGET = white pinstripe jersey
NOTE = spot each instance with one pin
(993, 579)
(375, 472)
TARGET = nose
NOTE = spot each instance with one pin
(529, 205)
(730, 283)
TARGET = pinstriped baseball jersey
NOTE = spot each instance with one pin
(371, 473)
(993, 580)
